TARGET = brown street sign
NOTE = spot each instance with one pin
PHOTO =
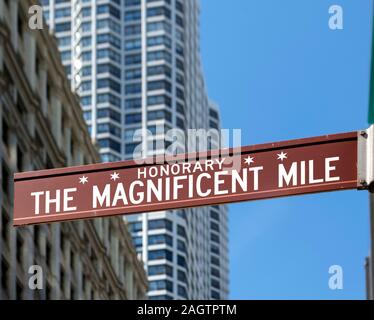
(255, 172)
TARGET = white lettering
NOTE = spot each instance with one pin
(101, 197)
(287, 177)
(68, 199)
(329, 168)
(37, 201)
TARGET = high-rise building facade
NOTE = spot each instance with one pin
(41, 127)
(135, 65)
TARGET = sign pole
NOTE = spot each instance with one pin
(371, 259)
(370, 289)
(370, 169)
(366, 179)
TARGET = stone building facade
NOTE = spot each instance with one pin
(41, 126)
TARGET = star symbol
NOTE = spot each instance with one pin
(114, 176)
(249, 160)
(282, 156)
(83, 180)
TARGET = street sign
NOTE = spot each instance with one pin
(250, 173)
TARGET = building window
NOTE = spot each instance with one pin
(109, 53)
(86, 41)
(86, 26)
(133, 103)
(107, 8)
(159, 26)
(181, 262)
(160, 224)
(182, 277)
(215, 261)
(161, 297)
(5, 133)
(109, 143)
(179, 6)
(4, 226)
(215, 272)
(109, 113)
(159, 70)
(180, 64)
(133, 88)
(109, 128)
(133, 44)
(86, 101)
(181, 124)
(215, 284)
(214, 215)
(65, 55)
(109, 23)
(109, 98)
(108, 157)
(135, 226)
(130, 134)
(159, 11)
(5, 179)
(19, 242)
(86, 85)
(109, 38)
(87, 56)
(182, 292)
(137, 241)
(180, 94)
(214, 226)
(133, 30)
(86, 12)
(161, 285)
(160, 269)
(160, 239)
(215, 295)
(64, 41)
(129, 3)
(133, 59)
(179, 21)
(159, 55)
(160, 255)
(109, 83)
(133, 118)
(181, 231)
(86, 71)
(133, 15)
(159, 100)
(62, 27)
(159, 40)
(133, 74)
(159, 114)
(131, 147)
(214, 249)
(214, 237)
(181, 246)
(159, 85)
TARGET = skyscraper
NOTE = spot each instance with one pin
(135, 65)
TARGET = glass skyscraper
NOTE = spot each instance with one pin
(135, 64)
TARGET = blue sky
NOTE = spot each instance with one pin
(278, 72)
